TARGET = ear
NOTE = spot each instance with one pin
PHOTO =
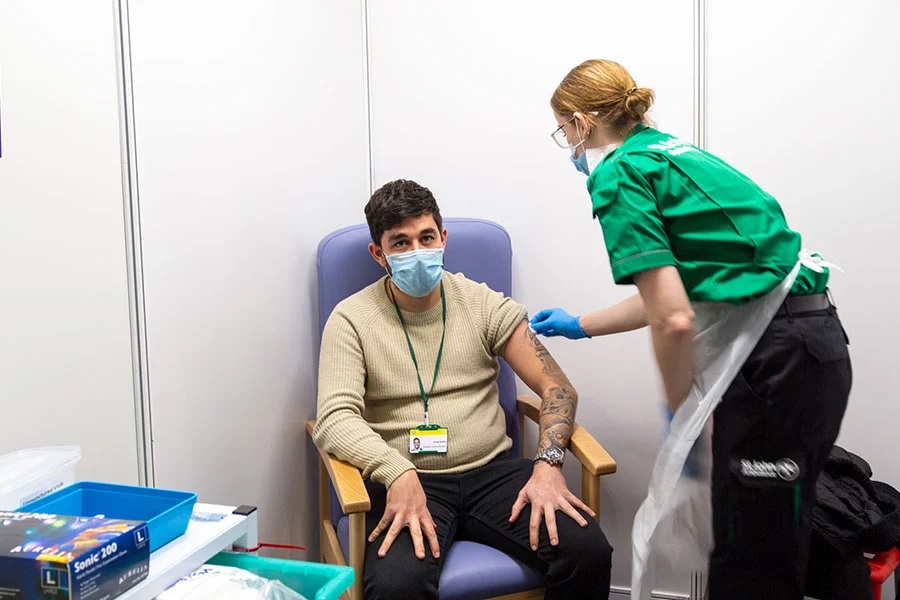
(444, 238)
(377, 254)
(584, 126)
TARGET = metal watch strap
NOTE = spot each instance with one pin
(554, 455)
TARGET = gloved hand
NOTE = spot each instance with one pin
(693, 462)
(669, 416)
(556, 321)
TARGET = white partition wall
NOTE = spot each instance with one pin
(260, 127)
(251, 143)
(460, 103)
(803, 103)
(65, 347)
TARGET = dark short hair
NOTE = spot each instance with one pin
(396, 201)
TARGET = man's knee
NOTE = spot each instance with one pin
(596, 550)
(586, 547)
(401, 579)
(580, 567)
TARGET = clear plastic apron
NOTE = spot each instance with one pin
(726, 335)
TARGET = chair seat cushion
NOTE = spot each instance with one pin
(473, 570)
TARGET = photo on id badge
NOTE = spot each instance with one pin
(432, 440)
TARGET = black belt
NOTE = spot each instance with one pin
(793, 305)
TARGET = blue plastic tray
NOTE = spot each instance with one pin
(312, 580)
(166, 512)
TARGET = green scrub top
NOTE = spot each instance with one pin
(663, 202)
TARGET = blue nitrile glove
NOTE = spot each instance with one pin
(692, 462)
(556, 321)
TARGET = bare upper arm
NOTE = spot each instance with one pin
(531, 360)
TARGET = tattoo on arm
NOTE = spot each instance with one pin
(558, 402)
(557, 418)
(550, 368)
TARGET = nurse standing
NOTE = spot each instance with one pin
(710, 251)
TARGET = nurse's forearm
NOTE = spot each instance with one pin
(674, 348)
(671, 319)
(627, 315)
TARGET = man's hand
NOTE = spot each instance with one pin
(546, 491)
(406, 507)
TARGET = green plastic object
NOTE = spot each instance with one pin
(315, 581)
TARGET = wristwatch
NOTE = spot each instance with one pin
(553, 455)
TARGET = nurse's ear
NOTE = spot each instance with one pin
(583, 124)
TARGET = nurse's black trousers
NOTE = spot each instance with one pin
(771, 435)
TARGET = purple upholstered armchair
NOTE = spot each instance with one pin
(482, 250)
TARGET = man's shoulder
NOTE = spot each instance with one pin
(469, 292)
(466, 288)
(478, 299)
(363, 305)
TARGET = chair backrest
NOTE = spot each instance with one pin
(478, 248)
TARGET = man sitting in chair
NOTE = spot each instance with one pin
(414, 355)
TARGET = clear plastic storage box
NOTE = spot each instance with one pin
(27, 475)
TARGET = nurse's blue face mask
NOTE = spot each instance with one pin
(581, 163)
(416, 272)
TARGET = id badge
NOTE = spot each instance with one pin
(428, 439)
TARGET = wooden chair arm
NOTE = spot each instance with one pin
(583, 446)
(346, 479)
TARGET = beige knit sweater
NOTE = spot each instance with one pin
(368, 393)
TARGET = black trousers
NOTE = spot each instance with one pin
(476, 506)
(771, 436)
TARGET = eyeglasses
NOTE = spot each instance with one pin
(559, 134)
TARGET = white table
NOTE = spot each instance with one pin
(202, 540)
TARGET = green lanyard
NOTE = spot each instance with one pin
(412, 353)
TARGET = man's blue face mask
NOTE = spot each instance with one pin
(417, 272)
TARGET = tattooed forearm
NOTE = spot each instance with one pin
(559, 400)
(557, 417)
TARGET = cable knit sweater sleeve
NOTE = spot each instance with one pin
(340, 427)
(500, 315)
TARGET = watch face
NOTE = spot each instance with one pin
(554, 454)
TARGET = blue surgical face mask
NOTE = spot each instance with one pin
(591, 157)
(416, 272)
(580, 163)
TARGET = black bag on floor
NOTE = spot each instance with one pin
(852, 515)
